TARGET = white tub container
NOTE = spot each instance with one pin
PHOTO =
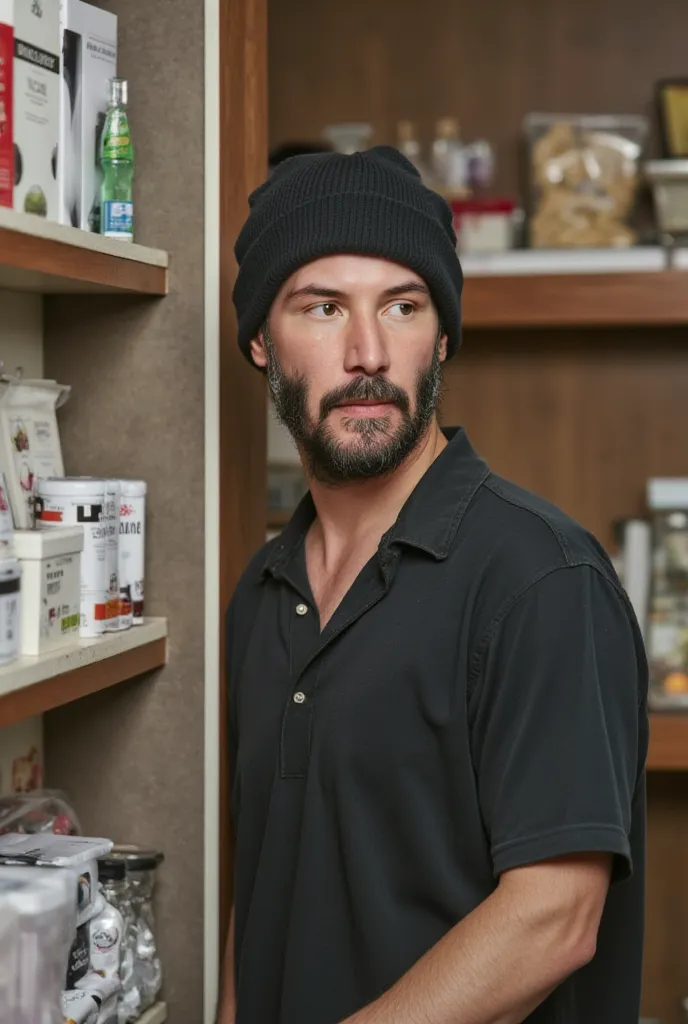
(50, 561)
(10, 610)
(132, 551)
(84, 501)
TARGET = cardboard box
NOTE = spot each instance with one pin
(89, 61)
(6, 80)
(36, 105)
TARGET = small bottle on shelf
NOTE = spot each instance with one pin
(408, 144)
(117, 162)
(450, 158)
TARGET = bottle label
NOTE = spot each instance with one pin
(118, 220)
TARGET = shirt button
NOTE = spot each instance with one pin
(299, 697)
(302, 609)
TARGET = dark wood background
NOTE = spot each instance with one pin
(580, 416)
(487, 63)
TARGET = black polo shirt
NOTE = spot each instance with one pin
(476, 703)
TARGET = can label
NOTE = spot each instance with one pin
(67, 511)
(118, 220)
(59, 615)
(132, 530)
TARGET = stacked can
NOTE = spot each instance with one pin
(93, 504)
(132, 545)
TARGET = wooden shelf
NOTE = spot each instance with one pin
(39, 256)
(156, 1015)
(630, 288)
(668, 741)
(30, 686)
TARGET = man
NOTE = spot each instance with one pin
(438, 722)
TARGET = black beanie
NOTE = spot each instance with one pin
(372, 203)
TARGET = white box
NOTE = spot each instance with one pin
(6, 104)
(89, 61)
(36, 105)
(50, 561)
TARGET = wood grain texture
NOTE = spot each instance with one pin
(243, 430)
(46, 265)
(577, 300)
(581, 417)
(668, 743)
(489, 64)
(53, 693)
(665, 979)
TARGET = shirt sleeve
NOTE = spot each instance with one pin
(558, 715)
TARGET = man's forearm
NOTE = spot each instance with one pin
(226, 1012)
(495, 967)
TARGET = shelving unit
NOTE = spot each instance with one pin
(39, 256)
(642, 287)
(32, 686)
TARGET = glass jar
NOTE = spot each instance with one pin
(141, 867)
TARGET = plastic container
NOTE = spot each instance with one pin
(87, 502)
(142, 866)
(10, 611)
(132, 552)
(348, 138)
(7, 548)
(483, 225)
(669, 181)
(43, 901)
(9, 965)
(584, 177)
(51, 587)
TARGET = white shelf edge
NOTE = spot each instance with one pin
(24, 672)
(525, 262)
(155, 1015)
(38, 227)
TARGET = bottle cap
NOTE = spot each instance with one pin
(118, 92)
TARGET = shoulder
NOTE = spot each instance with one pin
(512, 539)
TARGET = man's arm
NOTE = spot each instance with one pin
(226, 1012)
(504, 959)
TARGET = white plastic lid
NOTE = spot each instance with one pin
(134, 488)
(669, 492)
(31, 892)
(36, 545)
(71, 486)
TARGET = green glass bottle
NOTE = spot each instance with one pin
(117, 165)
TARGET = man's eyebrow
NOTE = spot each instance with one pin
(314, 291)
(321, 292)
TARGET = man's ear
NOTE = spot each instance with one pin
(259, 352)
(443, 348)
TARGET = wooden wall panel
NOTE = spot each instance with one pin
(488, 63)
(581, 417)
(243, 424)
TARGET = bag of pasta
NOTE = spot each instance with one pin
(584, 177)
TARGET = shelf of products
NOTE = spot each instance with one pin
(584, 288)
(668, 742)
(30, 686)
(40, 256)
(156, 1015)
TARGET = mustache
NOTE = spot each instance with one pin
(365, 389)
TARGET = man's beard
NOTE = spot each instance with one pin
(379, 448)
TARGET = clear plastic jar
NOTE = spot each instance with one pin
(114, 882)
(141, 874)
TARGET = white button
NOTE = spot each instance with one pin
(302, 609)
(299, 698)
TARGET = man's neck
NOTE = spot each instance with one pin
(359, 513)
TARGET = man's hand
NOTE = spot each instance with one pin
(504, 959)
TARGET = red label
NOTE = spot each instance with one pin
(100, 612)
(6, 136)
(48, 516)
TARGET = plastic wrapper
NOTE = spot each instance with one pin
(37, 813)
(584, 178)
(145, 984)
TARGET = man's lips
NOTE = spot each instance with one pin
(365, 407)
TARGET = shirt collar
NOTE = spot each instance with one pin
(431, 515)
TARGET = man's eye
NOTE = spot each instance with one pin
(324, 309)
(402, 308)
